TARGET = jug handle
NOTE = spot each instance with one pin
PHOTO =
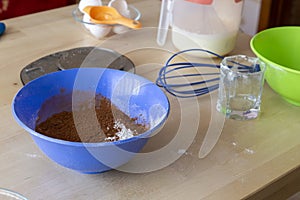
(164, 22)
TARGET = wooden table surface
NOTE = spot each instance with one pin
(250, 160)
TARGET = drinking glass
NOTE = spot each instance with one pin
(6, 194)
(240, 87)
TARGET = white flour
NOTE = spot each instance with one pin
(123, 134)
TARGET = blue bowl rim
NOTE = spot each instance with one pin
(86, 144)
(266, 59)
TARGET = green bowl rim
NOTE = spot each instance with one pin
(266, 59)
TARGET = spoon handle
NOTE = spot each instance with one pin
(129, 22)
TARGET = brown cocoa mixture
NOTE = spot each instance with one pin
(88, 124)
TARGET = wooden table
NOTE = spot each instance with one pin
(252, 159)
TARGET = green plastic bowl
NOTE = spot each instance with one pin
(279, 48)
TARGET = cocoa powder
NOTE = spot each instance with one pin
(91, 121)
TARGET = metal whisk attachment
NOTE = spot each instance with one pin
(189, 79)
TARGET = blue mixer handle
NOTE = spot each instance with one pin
(2, 28)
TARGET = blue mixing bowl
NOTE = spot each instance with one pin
(132, 94)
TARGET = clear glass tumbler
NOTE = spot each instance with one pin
(240, 87)
(6, 194)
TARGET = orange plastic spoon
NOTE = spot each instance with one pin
(109, 15)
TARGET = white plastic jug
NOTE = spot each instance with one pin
(208, 24)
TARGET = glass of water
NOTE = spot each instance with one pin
(240, 87)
